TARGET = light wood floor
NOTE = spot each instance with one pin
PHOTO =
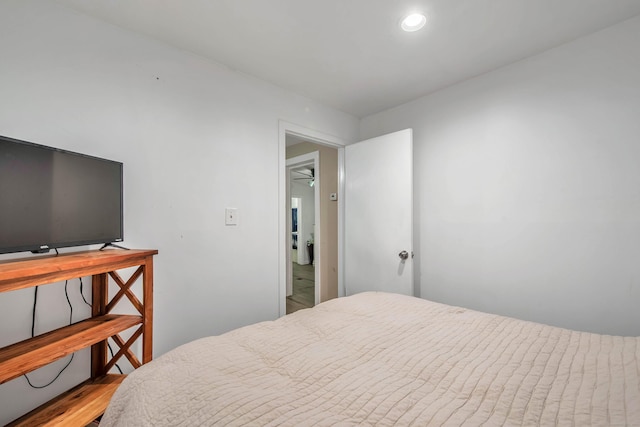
(303, 288)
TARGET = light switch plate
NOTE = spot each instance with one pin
(231, 216)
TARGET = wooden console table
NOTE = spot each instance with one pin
(87, 401)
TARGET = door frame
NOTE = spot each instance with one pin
(313, 159)
(317, 137)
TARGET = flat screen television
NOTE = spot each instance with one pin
(53, 198)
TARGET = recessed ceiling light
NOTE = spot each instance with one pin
(413, 22)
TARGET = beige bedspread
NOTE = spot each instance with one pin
(383, 359)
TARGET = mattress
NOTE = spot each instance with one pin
(385, 359)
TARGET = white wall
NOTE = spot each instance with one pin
(194, 137)
(527, 186)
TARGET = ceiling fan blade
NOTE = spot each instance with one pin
(306, 176)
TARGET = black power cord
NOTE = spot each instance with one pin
(33, 325)
(33, 328)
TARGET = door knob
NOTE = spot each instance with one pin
(403, 255)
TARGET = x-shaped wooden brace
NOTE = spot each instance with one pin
(125, 290)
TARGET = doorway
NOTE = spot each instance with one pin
(303, 270)
(297, 141)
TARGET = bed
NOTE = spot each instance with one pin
(386, 359)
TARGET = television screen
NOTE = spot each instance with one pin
(52, 198)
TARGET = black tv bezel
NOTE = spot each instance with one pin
(45, 246)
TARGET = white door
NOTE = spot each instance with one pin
(378, 229)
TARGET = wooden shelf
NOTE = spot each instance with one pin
(23, 273)
(31, 354)
(77, 407)
(87, 401)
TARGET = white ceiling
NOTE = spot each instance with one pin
(351, 54)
